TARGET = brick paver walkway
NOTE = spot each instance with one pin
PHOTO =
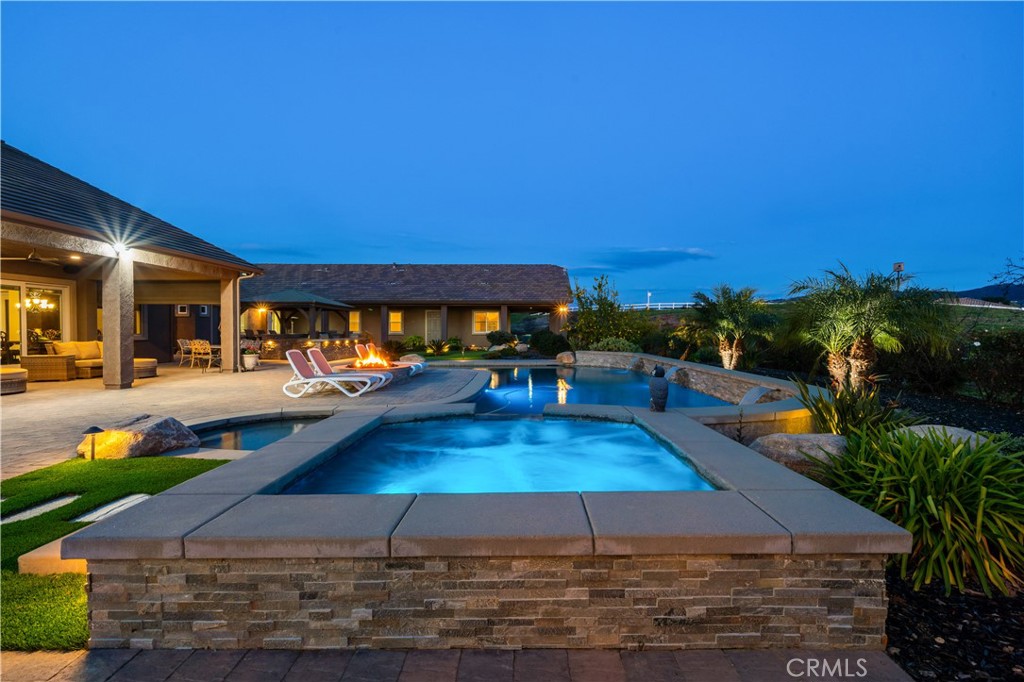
(532, 665)
(44, 425)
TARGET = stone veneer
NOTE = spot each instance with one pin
(637, 602)
(770, 559)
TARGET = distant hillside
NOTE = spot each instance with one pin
(1014, 292)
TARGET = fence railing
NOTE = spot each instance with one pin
(646, 306)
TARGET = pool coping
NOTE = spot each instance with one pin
(762, 508)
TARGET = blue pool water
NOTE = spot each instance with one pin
(502, 455)
(525, 390)
(252, 436)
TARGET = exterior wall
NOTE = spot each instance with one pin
(460, 322)
(616, 602)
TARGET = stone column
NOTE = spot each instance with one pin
(119, 321)
(444, 323)
(503, 319)
(383, 324)
(229, 312)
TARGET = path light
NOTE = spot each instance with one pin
(91, 432)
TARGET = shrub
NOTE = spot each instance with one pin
(415, 343)
(995, 363)
(706, 355)
(393, 349)
(655, 342)
(599, 316)
(850, 409)
(960, 500)
(455, 344)
(616, 346)
(491, 355)
(508, 352)
(920, 369)
(498, 337)
(438, 347)
(548, 343)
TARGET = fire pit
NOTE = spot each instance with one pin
(374, 362)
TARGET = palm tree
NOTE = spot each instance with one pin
(852, 318)
(729, 316)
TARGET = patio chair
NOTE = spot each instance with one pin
(202, 350)
(361, 351)
(322, 367)
(305, 379)
(185, 349)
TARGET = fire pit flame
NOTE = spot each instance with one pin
(373, 359)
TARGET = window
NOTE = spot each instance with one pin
(485, 321)
(395, 322)
(355, 322)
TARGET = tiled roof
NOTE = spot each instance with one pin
(294, 296)
(397, 283)
(37, 189)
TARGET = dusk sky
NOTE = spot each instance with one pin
(671, 146)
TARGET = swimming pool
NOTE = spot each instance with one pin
(502, 455)
(254, 435)
(525, 390)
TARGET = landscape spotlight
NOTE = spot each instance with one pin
(91, 432)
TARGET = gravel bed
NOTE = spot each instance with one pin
(963, 636)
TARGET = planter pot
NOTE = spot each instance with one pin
(249, 362)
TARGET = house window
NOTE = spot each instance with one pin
(355, 322)
(395, 322)
(485, 321)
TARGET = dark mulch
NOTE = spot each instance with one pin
(960, 637)
(967, 413)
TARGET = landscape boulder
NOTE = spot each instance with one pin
(955, 433)
(787, 448)
(522, 348)
(412, 357)
(496, 347)
(143, 435)
(565, 358)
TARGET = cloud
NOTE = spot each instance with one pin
(627, 260)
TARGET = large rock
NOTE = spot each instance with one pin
(412, 358)
(788, 448)
(522, 348)
(565, 358)
(139, 436)
(955, 433)
(497, 347)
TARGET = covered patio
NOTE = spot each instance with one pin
(82, 265)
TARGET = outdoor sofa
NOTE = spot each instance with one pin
(66, 360)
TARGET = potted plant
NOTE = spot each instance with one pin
(250, 357)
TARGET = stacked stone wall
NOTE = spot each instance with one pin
(676, 602)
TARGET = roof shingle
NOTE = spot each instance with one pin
(37, 189)
(398, 283)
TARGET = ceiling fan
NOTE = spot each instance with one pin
(33, 257)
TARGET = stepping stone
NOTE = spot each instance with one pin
(112, 508)
(40, 509)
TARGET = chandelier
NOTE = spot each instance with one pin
(36, 302)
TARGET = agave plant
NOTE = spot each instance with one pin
(437, 347)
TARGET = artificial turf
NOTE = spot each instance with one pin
(49, 611)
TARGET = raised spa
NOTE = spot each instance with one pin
(525, 390)
(502, 456)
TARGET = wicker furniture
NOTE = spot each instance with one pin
(49, 367)
(12, 380)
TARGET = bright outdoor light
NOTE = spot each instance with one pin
(119, 247)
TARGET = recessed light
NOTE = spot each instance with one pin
(75, 257)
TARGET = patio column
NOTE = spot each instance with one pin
(119, 321)
(503, 319)
(229, 313)
(444, 323)
(383, 324)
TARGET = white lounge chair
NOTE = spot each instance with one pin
(323, 368)
(305, 379)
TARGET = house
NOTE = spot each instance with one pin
(79, 263)
(397, 300)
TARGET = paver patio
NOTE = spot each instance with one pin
(451, 665)
(44, 425)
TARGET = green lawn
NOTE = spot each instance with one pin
(49, 612)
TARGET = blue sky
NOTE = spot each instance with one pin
(671, 146)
